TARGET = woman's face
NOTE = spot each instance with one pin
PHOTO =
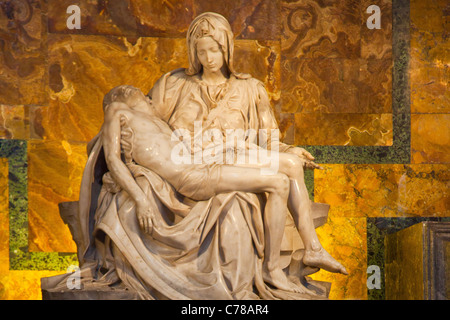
(209, 54)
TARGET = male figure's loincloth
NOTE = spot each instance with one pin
(198, 181)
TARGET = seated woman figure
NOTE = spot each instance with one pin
(212, 92)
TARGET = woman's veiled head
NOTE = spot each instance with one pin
(209, 25)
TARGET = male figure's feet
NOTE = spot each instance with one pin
(322, 259)
(278, 279)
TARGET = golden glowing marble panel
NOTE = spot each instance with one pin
(261, 59)
(256, 19)
(376, 43)
(430, 60)
(23, 285)
(157, 18)
(417, 262)
(384, 190)
(429, 87)
(318, 29)
(169, 18)
(429, 57)
(23, 49)
(428, 47)
(343, 129)
(331, 63)
(337, 85)
(430, 138)
(82, 69)
(55, 169)
(428, 15)
(14, 122)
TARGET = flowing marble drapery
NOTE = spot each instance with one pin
(209, 249)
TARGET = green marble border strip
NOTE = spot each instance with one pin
(19, 257)
(16, 153)
(400, 152)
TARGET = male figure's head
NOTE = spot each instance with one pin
(129, 95)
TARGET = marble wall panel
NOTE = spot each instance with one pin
(384, 190)
(429, 88)
(321, 29)
(23, 52)
(55, 169)
(430, 138)
(430, 60)
(332, 63)
(319, 85)
(124, 17)
(23, 285)
(82, 69)
(429, 47)
(375, 85)
(286, 124)
(255, 19)
(14, 285)
(261, 59)
(428, 15)
(403, 250)
(336, 85)
(154, 18)
(14, 122)
(343, 129)
(345, 239)
(376, 43)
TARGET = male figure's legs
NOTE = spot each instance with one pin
(299, 205)
(300, 208)
(234, 178)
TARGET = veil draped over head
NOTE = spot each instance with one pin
(213, 25)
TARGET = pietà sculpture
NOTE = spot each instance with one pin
(171, 207)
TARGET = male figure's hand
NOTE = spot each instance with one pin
(144, 216)
(308, 159)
